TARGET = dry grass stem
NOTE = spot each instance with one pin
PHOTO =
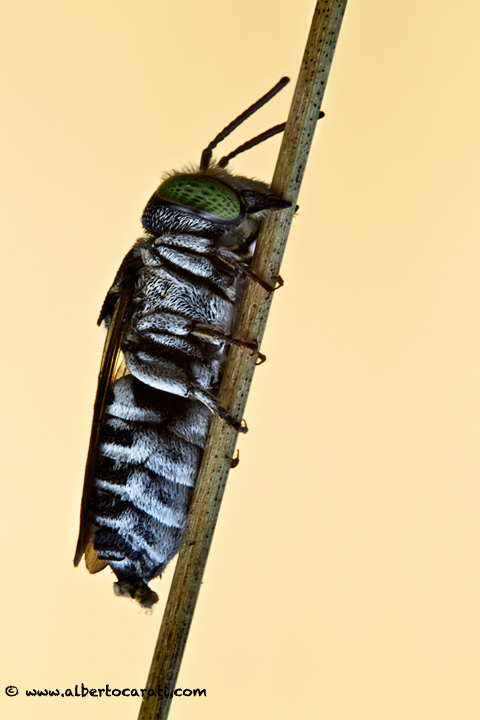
(238, 374)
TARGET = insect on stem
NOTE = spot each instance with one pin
(252, 316)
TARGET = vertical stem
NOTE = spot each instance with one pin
(239, 369)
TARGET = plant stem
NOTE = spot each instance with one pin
(239, 369)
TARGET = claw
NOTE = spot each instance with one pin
(278, 280)
(234, 462)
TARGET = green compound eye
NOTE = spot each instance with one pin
(213, 197)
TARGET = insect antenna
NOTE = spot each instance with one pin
(223, 162)
(207, 153)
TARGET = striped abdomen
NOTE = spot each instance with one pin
(157, 418)
(149, 459)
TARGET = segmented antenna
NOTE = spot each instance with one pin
(207, 153)
(223, 162)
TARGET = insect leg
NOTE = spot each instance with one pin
(212, 403)
(246, 270)
(205, 331)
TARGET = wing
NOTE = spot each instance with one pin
(106, 376)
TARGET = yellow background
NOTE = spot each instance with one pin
(344, 580)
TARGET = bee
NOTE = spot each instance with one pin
(169, 316)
